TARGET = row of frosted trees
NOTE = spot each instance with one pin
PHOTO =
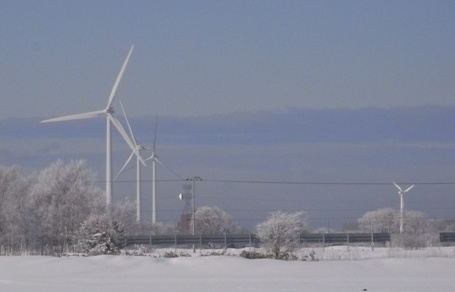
(61, 209)
(51, 211)
(419, 229)
(43, 212)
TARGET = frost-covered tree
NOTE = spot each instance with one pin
(443, 225)
(63, 197)
(417, 227)
(214, 221)
(381, 220)
(416, 222)
(417, 230)
(99, 234)
(13, 195)
(388, 220)
(125, 216)
(280, 233)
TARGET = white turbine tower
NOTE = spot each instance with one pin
(154, 159)
(107, 112)
(139, 160)
(401, 193)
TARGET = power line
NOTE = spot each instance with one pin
(334, 183)
(322, 182)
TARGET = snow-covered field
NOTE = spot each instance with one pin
(338, 269)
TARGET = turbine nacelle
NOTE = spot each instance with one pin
(153, 156)
(109, 110)
(400, 189)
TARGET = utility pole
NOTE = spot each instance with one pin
(193, 203)
(193, 199)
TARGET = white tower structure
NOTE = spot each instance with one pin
(154, 158)
(401, 193)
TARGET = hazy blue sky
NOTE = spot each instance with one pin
(205, 57)
(284, 91)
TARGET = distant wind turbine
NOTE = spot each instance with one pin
(139, 160)
(107, 112)
(154, 159)
(401, 193)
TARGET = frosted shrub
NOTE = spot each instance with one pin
(253, 255)
(280, 233)
(99, 235)
(214, 221)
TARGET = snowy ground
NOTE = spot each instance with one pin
(342, 269)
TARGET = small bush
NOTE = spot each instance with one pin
(310, 257)
(137, 250)
(214, 253)
(287, 256)
(254, 255)
(170, 254)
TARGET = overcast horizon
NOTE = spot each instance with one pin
(334, 164)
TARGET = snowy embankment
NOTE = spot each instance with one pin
(228, 273)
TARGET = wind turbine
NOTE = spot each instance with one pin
(107, 112)
(401, 193)
(154, 159)
(139, 160)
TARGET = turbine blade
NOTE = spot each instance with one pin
(125, 136)
(154, 139)
(139, 156)
(408, 189)
(146, 148)
(122, 131)
(124, 165)
(398, 187)
(159, 161)
(119, 77)
(128, 123)
(81, 116)
(168, 168)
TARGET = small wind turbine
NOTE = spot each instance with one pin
(107, 112)
(154, 159)
(401, 193)
(139, 160)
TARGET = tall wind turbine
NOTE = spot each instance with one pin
(401, 193)
(107, 112)
(139, 160)
(154, 159)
